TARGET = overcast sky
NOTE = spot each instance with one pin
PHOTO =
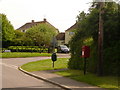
(60, 13)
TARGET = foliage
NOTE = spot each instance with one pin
(18, 34)
(23, 54)
(61, 63)
(87, 34)
(0, 28)
(28, 49)
(7, 30)
(21, 39)
(41, 34)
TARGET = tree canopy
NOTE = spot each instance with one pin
(6, 31)
(41, 34)
(87, 34)
(7, 28)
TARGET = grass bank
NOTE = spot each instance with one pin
(110, 82)
(45, 65)
(22, 54)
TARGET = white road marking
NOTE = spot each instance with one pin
(9, 65)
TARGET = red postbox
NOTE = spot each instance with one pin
(85, 51)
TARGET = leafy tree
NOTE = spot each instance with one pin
(7, 30)
(41, 34)
(21, 39)
(18, 34)
(0, 27)
(87, 34)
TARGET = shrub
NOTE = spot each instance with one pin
(28, 49)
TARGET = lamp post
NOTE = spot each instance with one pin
(54, 41)
(35, 41)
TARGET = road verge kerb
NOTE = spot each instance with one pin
(44, 79)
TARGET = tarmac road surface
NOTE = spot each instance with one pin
(13, 78)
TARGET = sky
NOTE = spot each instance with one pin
(60, 13)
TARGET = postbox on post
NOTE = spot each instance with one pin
(85, 51)
(54, 58)
(85, 54)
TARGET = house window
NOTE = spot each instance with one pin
(23, 30)
(71, 33)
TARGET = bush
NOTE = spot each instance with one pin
(111, 59)
(28, 49)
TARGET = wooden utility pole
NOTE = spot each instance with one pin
(100, 41)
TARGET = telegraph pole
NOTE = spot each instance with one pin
(100, 41)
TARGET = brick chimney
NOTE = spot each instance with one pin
(32, 21)
(44, 19)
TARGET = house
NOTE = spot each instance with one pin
(69, 33)
(64, 38)
(33, 23)
(60, 39)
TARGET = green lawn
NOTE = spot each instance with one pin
(22, 54)
(45, 65)
(104, 82)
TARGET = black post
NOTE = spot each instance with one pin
(84, 66)
(54, 58)
(53, 64)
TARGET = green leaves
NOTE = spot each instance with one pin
(41, 34)
(87, 34)
(7, 28)
(18, 34)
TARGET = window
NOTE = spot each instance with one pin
(71, 33)
(23, 30)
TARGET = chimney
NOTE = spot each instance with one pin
(32, 21)
(44, 19)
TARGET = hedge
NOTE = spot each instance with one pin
(28, 49)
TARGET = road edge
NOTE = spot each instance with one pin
(44, 79)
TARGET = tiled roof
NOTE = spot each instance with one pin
(60, 36)
(30, 24)
(72, 27)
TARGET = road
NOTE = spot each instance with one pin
(13, 78)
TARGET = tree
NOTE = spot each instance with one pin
(87, 34)
(41, 34)
(20, 39)
(18, 34)
(7, 30)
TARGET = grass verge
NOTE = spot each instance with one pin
(110, 82)
(45, 65)
(22, 54)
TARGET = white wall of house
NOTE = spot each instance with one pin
(68, 35)
(60, 42)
